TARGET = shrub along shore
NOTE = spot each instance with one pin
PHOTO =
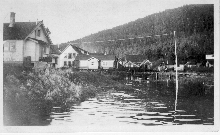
(30, 96)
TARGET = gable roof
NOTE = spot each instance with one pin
(19, 32)
(97, 56)
(79, 50)
(63, 47)
(54, 49)
(45, 32)
(136, 58)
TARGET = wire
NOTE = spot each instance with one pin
(131, 38)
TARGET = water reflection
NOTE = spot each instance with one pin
(152, 103)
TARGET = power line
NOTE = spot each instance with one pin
(131, 38)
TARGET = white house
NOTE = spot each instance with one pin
(66, 54)
(26, 40)
(95, 61)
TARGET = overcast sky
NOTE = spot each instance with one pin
(73, 19)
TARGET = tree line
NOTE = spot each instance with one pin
(194, 26)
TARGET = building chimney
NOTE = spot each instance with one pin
(12, 19)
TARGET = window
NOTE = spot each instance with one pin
(69, 63)
(74, 55)
(92, 63)
(38, 33)
(65, 63)
(73, 63)
(104, 63)
(6, 47)
(12, 46)
(44, 49)
(69, 55)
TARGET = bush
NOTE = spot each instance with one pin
(31, 94)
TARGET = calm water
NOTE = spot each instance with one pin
(152, 103)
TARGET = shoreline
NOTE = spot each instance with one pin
(90, 83)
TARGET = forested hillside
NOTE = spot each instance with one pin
(194, 26)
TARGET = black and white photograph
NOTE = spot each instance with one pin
(110, 66)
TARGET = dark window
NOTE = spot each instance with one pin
(74, 55)
(65, 63)
(44, 48)
(69, 55)
(69, 63)
(38, 33)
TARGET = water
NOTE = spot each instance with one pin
(150, 104)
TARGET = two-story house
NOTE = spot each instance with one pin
(25, 40)
(65, 54)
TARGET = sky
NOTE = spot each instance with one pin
(73, 19)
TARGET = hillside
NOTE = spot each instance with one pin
(194, 26)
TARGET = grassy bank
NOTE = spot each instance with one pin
(29, 97)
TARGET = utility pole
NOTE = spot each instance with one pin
(176, 70)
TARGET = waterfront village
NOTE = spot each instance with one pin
(27, 46)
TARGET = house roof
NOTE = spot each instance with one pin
(79, 50)
(97, 56)
(19, 32)
(39, 41)
(136, 58)
(104, 57)
(96, 53)
(82, 57)
(54, 49)
(62, 47)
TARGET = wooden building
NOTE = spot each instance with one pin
(95, 61)
(66, 54)
(23, 40)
